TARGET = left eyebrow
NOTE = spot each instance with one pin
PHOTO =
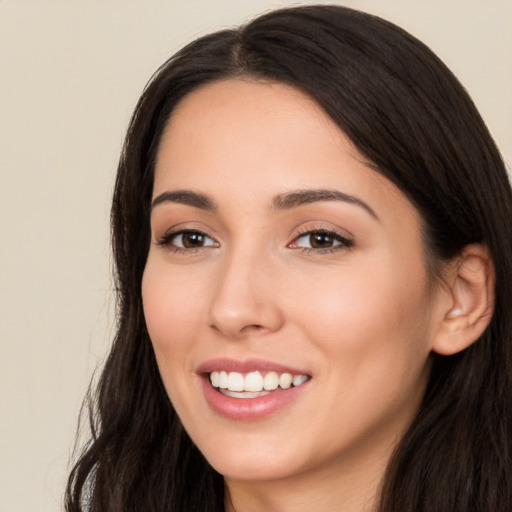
(303, 197)
(188, 197)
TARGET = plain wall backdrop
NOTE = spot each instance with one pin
(70, 74)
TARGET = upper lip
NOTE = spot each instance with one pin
(246, 366)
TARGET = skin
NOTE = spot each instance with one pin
(359, 318)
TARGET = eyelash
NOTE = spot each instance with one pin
(167, 239)
(344, 242)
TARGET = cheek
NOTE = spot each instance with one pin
(371, 313)
(171, 308)
(172, 313)
(371, 330)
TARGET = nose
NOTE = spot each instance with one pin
(244, 301)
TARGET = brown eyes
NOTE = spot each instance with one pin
(321, 240)
(313, 241)
(187, 239)
(192, 239)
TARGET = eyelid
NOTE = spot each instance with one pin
(345, 238)
(165, 240)
(306, 228)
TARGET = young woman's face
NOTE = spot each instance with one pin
(277, 255)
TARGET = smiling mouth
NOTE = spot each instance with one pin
(254, 384)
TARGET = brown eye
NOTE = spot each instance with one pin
(192, 239)
(187, 239)
(321, 240)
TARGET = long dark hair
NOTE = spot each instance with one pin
(410, 117)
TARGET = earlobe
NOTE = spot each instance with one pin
(471, 287)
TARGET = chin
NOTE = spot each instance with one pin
(260, 470)
(253, 462)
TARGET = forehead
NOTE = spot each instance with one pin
(239, 112)
(261, 138)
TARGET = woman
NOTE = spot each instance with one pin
(312, 237)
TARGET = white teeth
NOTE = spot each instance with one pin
(253, 384)
(235, 381)
(223, 380)
(299, 379)
(285, 381)
(271, 381)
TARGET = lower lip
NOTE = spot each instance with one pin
(249, 408)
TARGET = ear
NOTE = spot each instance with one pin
(467, 313)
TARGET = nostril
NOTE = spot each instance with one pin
(253, 327)
(235, 318)
(245, 328)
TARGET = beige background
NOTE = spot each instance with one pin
(70, 73)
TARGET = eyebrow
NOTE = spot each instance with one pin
(187, 197)
(281, 202)
(304, 197)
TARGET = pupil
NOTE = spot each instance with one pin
(193, 240)
(320, 240)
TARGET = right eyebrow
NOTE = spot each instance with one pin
(187, 197)
(308, 196)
